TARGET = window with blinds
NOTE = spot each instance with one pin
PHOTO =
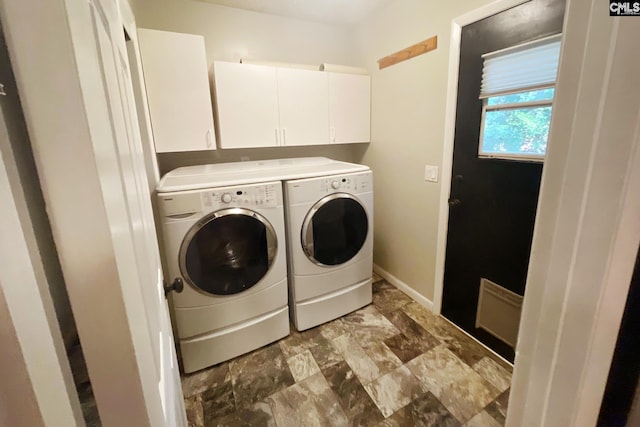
(517, 90)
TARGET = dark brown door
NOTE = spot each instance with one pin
(493, 202)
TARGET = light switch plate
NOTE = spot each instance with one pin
(431, 173)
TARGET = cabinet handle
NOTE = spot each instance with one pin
(209, 138)
(333, 134)
(284, 136)
(277, 137)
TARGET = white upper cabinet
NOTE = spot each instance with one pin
(267, 106)
(247, 105)
(303, 101)
(349, 108)
(176, 78)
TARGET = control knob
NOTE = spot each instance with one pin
(226, 198)
(335, 184)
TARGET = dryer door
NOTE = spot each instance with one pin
(335, 229)
(228, 251)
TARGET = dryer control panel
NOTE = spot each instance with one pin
(311, 189)
(348, 184)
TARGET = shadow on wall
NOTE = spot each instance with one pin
(343, 152)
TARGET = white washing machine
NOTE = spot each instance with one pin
(227, 243)
(330, 245)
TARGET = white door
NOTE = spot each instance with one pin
(303, 100)
(138, 223)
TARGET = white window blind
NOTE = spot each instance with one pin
(528, 66)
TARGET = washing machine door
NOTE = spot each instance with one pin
(335, 229)
(228, 251)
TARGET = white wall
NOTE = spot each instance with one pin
(408, 110)
(231, 34)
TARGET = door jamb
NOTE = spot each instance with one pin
(449, 132)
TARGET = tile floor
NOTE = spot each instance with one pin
(392, 363)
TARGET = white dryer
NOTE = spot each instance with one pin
(330, 245)
(227, 243)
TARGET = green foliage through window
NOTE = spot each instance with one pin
(517, 124)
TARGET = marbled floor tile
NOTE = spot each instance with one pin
(308, 403)
(382, 356)
(467, 396)
(426, 319)
(438, 368)
(462, 346)
(355, 401)
(404, 348)
(368, 325)
(411, 329)
(324, 352)
(200, 381)
(498, 408)
(361, 364)
(494, 373)
(417, 338)
(257, 415)
(425, 411)
(333, 329)
(195, 414)
(259, 374)
(297, 342)
(387, 297)
(482, 419)
(394, 390)
(376, 278)
(302, 365)
(218, 401)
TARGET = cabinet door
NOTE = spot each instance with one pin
(176, 78)
(303, 99)
(247, 105)
(349, 107)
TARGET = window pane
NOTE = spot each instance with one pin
(521, 131)
(534, 95)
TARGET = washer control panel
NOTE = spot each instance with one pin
(257, 196)
(184, 204)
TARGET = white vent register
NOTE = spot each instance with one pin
(499, 311)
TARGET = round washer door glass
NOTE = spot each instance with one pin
(228, 251)
(335, 229)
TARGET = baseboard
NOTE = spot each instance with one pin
(415, 295)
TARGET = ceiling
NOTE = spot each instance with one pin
(325, 11)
